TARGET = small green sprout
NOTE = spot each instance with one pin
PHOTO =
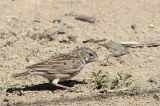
(100, 79)
(114, 83)
(121, 80)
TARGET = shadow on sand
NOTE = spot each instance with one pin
(44, 86)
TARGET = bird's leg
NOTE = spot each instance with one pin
(55, 82)
(50, 82)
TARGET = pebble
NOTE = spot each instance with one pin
(116, 48)
(85, 18)
(57, 19)
(5, 100)
(151, 80)
(134, 26)
(151, 26)
(156, 97)
(62, 29)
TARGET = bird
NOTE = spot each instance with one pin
(61, 67)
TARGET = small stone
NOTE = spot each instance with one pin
(156, 97)
(48, 34)
(57, 19)
(151, 26)
(151, 80)
(5, 100)
(7, 94)
(64, 41)
(72, 38)
(116, 48)
(37, 20)
(62, 29)
(134, 26)
(85, 18)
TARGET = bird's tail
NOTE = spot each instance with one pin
(21, 74)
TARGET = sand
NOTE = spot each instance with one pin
(28, 34)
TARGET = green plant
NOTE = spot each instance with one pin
(121, 80)
(114, 83)
(100, 79)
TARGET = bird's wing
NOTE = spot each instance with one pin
(62, 64)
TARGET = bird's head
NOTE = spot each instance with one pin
(86, 53)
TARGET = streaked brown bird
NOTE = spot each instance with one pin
(61, 67)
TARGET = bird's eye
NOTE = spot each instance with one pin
(90, 54)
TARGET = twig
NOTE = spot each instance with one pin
(140, 44)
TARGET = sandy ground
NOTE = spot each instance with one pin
(22, 22)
